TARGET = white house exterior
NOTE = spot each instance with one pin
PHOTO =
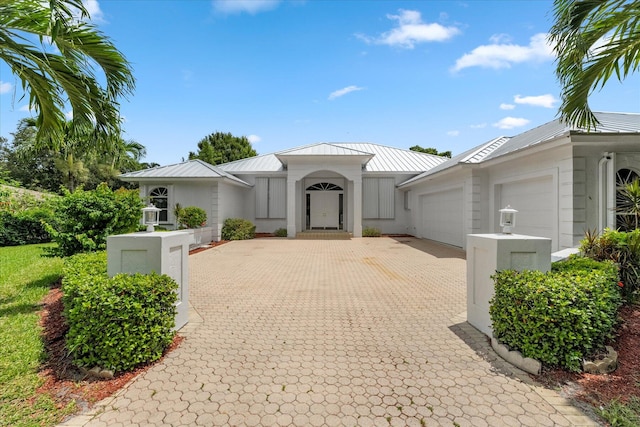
(561, 180)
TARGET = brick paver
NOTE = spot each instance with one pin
(365, 332)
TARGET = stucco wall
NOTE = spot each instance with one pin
(231, 203)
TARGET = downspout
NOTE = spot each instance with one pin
(601, 192)
(606, 191)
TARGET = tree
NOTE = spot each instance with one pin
(219, 148)
(61, 69)
(593, 40)
(430, 151)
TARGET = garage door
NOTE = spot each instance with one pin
(534, 201)
(442, 217)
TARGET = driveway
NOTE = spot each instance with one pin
(365, 332)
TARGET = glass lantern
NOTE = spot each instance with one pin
(507, 219)
(151, 217)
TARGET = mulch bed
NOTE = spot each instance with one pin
(620, 385)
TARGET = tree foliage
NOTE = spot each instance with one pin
(218, 148)
(57, 55)
(593, 40)
(430, 150)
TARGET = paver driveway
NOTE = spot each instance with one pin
(337, 333)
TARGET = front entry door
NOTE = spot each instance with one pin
(324, 210)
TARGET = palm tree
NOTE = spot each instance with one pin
(64, 73)
(593, 40)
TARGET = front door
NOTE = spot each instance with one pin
(324, 210)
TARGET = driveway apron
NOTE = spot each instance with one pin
(364, 332)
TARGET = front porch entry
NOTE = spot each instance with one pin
(324, 207)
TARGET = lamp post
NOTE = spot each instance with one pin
(150, 216)
(507, 219)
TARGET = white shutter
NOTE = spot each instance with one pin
(262, 197)
(370, 198)
(277, 198)
(387, 190)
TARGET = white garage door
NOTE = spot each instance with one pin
(534, 201)
(442, 217)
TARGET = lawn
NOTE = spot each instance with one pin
(25, 278)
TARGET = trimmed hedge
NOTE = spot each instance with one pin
(280, 232)
(191, 217)
(24, 228)
(558, 317)
(116, 323)
(238, 229)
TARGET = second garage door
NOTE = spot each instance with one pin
(534, 199)
(442, 217)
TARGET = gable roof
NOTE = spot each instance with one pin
(609, 123)
(385, 159)
(189, 170)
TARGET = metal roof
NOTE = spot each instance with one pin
(474, 155)
(385, 159)
(192, 169)
(609, 123)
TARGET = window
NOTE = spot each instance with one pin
(159, 197)
(271, 196)
(625, 216)
(378, 198)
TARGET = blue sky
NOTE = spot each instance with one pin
(443, 74)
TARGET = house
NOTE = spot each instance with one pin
(562, 180)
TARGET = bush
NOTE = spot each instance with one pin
(370, 232)
(280, 232)
(191, 217)
(623, 248)
(238, 229)
(116, 323)
(558, 317)
(84, 219)
(24, 228)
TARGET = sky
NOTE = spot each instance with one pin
(444, 74)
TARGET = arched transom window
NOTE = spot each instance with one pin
(324, 186)
(159, 196)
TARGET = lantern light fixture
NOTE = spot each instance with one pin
(507, 219)
(151, 216)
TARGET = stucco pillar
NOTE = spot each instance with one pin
(357, 208)
(291, 208)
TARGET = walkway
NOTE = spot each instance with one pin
(365, 332)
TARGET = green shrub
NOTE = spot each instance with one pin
(238, 229)
(623, 248)
(558, 317)
(280, 232)
(191, 217)
(116, 323)
(24, 228)
(370, 232)
(84, 219)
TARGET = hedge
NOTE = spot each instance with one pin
(238, 229)
(116, 323)
(558, 317)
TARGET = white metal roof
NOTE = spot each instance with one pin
(192, 169)
(609, 123)
(385, 159)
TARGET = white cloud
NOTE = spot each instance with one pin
(341, 92)
(254, 138)
(500, 38)
(411, 30)
(94, 10)
(546, 101)
(453, 133)
(479, 126)
(511, 122)
(5, 87)
(504, 106)
(240, 6)
(502, 55)
(69, 114)
(25, 108)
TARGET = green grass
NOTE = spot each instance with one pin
(25, 277)
(622, 415)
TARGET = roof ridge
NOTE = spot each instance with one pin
(483, 147)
